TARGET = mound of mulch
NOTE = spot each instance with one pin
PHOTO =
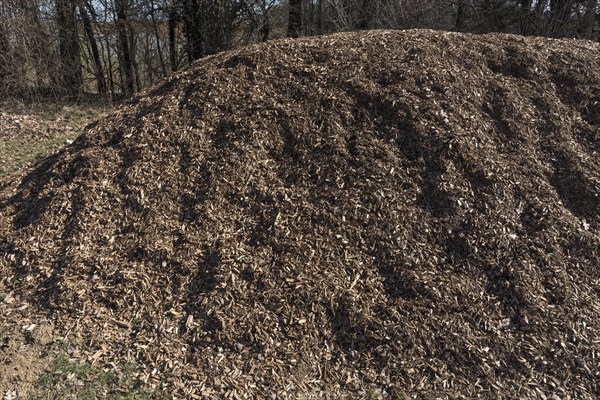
(373, 213)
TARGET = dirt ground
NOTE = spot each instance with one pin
(384, 213)
(24, 347)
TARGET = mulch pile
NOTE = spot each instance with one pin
(373, 213)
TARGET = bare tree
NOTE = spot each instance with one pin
(560, 11)
(33, 49)
(209, 25)
(4, 57)
(68, 45)
(257, 13)
(173, 20)
(116, 47)
(128, 80)
(89, 32)
(586, 24)
(294, 28)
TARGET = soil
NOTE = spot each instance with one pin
(25, 342)
(393, 212)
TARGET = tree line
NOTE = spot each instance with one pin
(66, 48)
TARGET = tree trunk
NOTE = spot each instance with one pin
(192, 20)
(173, 19)
(265, 29)
(68, 45)
(109, 63)
(209, 25)
(44, 60)
(125, 53)
(525, 19)
(365, 17)
(586, 26)
(157, 38)
(89, 32)
(461, 13)
(560, 11)
(4, 62)
(294, 18)
(320, 17)
(132, 54)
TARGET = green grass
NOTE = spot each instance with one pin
(68, 379)
(46, 129)
(14, 154)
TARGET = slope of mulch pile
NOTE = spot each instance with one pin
(388, 212)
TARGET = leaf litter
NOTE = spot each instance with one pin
(396, 212)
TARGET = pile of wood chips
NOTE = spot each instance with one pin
(378, 213)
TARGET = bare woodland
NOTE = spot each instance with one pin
(113, 48)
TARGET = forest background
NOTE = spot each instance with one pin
(107, 50)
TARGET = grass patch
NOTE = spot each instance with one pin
(67, 379)
(31, 134)
(14, 154)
